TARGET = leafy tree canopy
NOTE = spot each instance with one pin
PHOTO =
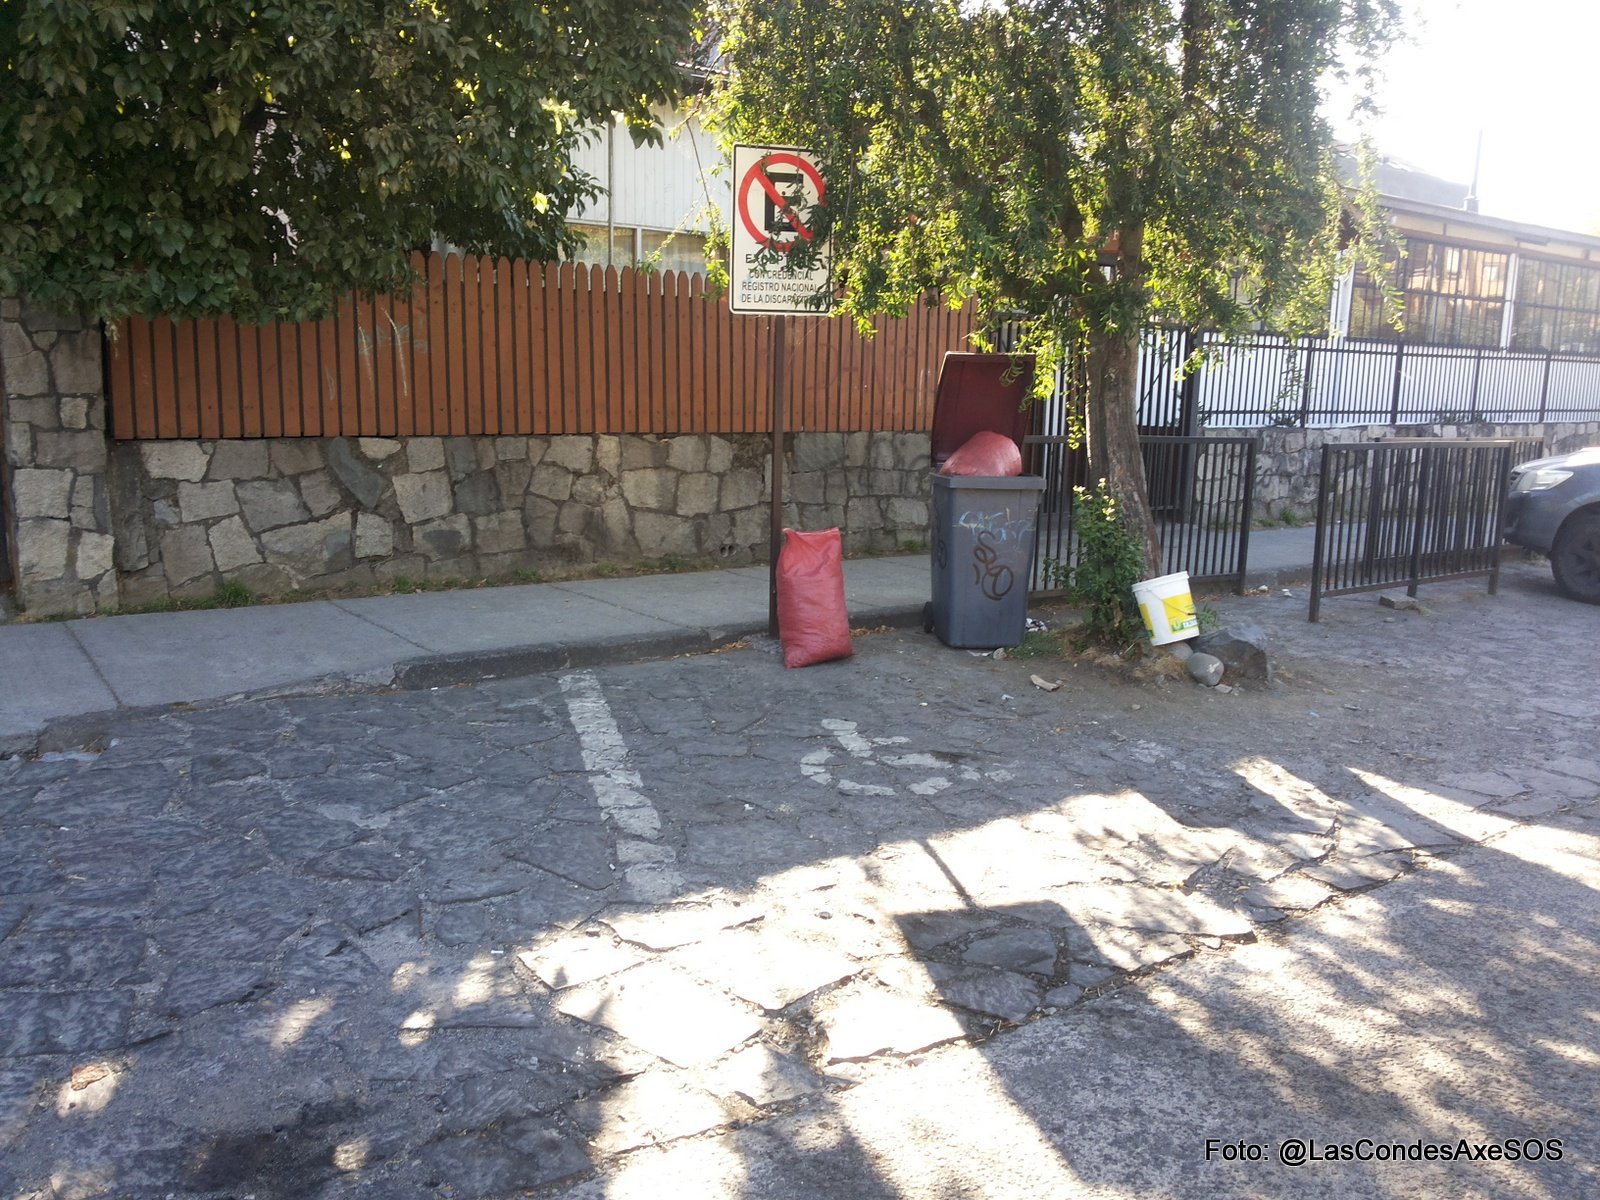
(1095, 163)
(193, 157)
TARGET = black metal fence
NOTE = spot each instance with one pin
(1201, 491)
(1265, 379)
(1269, 380)
(1411, 510)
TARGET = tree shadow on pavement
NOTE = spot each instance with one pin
(922, 939)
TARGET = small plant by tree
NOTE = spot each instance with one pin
(1110, 561)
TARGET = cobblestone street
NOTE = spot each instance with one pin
(515, 937)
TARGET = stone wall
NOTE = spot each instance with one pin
(1290, 461)
(284, 515)
(57, 505)
(94, 524)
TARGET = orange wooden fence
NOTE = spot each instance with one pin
(500, 347)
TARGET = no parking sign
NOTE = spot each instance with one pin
(777, 192)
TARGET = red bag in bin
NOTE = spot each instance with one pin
(812, 622)
(985, 453)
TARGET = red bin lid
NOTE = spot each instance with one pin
(979, 392)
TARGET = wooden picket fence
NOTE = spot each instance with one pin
(496, 347)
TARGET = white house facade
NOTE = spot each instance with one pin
(656, 207)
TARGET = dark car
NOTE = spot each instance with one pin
(1554, 508)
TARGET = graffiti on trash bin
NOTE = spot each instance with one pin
(1002, 526)
(993, 577)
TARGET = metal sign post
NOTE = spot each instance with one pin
(780, 388)
(776, 191)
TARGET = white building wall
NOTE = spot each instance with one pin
(669, 187)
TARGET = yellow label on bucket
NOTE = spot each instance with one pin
(1180, 613)
(1149, 619)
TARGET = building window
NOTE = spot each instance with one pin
(1367, 318)
(672, 251)
(1451, 296)
(1558, 308)
(592, 253)
(648, 249)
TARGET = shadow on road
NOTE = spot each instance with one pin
(925, 931)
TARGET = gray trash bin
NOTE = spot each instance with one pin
(984, 529)
(983, 526)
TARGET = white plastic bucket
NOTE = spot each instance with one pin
(1167, 608)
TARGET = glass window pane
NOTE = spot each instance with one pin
(1366, 313)
(672, 251)
(593, 250)
(1454, 295)
(1558, 307)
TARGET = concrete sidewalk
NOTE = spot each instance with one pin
(99, 664)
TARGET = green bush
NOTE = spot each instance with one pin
(1110, 561)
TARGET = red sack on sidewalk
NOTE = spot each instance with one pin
(985, 453)
(812, 622)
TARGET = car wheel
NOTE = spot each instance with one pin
(1575, 558)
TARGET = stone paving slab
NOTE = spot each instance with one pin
(770, 965)
(65, 1022)
(987, 991)
(763, 1076)
(362, 945)
(1157, 910)
(651, 1110)
(861, 1022)
(1299, 892)
(1101, 951)
(663, 1011)
(679, 925)
(1496, 785)
(1533, 805)
(574, 961)
(1579, 768)
(1349, 874)
(927, 931)
(1560, 783)
(47, 674)
(895, 589)
(1032, 951)
(496, 618)
(734, 601)
(513, 1160)
(164, 658)
(1375, 827)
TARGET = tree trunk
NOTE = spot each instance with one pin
(1113, 434)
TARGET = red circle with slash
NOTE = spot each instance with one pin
(756, 179)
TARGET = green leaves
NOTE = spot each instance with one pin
(188, 157)
(1090, 163)
(1110, 561)
(1017, 150)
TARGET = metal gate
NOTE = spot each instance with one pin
(1409, 510)
(1201, 489)
(1202, 492)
